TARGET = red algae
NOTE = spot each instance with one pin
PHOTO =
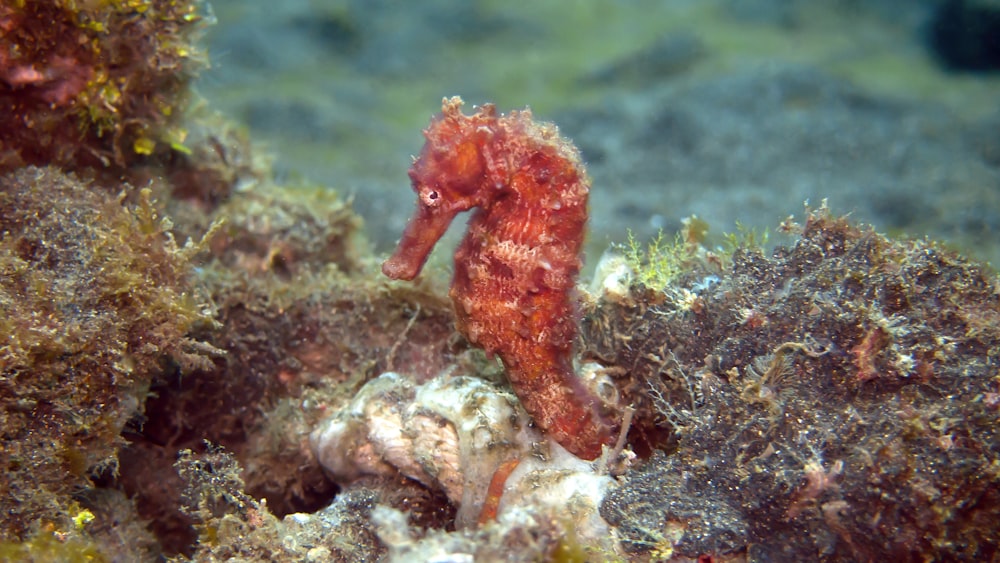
(516, 268)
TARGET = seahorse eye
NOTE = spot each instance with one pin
(430, 197)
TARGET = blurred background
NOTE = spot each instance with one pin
(731, 110)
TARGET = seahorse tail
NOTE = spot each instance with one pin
(565, 409)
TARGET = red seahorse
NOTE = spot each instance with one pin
(515, 270)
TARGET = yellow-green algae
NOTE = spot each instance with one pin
(95, 300)
(96, 84)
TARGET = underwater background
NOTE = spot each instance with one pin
(203, 356)
(731, 110)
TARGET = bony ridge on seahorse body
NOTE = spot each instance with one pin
(516, 268)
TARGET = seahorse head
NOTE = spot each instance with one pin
(448, 177)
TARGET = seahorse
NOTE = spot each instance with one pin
(515, 269)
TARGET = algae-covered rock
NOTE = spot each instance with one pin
(837, 399)
(303, 320)
(234, 526)
(95, 300)
(94, 84)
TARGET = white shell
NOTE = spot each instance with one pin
(452, 433)
(612, 278)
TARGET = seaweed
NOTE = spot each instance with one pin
(98, 85)
(96, 300)
(837, 397)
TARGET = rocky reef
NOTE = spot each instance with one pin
(96, 84)
(95, 298)
(835, 399)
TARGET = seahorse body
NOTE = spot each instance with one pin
(515, 270)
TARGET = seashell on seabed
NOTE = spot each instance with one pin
(452, 433)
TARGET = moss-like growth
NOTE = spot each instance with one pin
(53, 545)
(305, 320)
(95, 297)
(661, 262)
(234, 526)
(279, 233)
(836, 398)
(94, 84)
(219, 161)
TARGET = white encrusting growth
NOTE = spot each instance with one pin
(452, 433)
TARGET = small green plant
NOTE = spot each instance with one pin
(746, 238)
(661, 261)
